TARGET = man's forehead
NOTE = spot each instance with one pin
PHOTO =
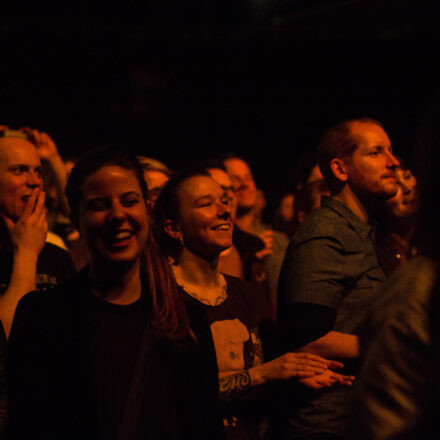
(18, 150)
(370, 133)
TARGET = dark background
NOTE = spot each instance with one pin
(181, 81)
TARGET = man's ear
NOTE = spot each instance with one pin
(172, 229)
(339, 169)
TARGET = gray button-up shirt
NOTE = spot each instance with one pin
(330, 262)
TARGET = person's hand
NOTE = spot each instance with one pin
(327, 379)
(30, 230)
(299, 365)
(46, 147)
(267, 237)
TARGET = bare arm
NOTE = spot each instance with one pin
(28, 237)
(287, 366)
(334, 345)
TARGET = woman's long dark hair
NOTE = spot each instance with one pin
(169, 317)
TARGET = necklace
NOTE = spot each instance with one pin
(207, 301)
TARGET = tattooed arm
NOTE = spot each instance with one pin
(290, 365)
(234, 385)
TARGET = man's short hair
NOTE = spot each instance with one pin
(338, 142)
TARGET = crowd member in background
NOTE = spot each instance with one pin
(331, 271)
(283, 219)
(309, 195)
(193, 225)
(107, 355)
(156, 174)
(230, 261)
(260, 206)
(27, 262)
(61, 232)
(275, 242)
(397, 395)
(397, 220)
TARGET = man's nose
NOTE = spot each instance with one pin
(34, 180)
(224, 210)
(392, 161)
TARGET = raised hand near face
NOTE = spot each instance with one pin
(29, 232)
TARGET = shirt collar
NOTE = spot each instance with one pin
(362, 228)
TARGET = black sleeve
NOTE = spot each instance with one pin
(27, 371)
(300, 323)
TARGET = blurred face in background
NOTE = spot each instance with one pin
(223, 179)
(243, 183)
(155, 180)
(286, 208)
(405, 204)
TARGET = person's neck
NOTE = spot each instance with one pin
(246, 222)
(362, 208)
(117, 285)
(194, 270)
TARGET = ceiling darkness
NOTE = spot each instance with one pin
(182, 81)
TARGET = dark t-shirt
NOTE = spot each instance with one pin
(234, 335)
(54, 266)
(69, 364)
(114, 333)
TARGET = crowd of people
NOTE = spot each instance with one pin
(139, 302)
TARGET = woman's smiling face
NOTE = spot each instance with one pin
(113, 217)
(205, 220)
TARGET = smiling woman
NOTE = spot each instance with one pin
(193, 225)
(113, 345)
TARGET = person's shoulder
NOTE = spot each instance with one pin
(56, 262)
(322, 223)
(52, 251)
(281, 239)
(57, 295)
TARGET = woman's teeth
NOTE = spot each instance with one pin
(224, 227)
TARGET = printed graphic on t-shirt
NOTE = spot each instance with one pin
(236, 347)
(229, 337)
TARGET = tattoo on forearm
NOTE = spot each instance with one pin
(234, 385)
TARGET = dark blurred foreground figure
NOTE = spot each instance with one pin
(397, 218)
(107, 355)
(331, 272)
(398, 393)
(194, 225)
